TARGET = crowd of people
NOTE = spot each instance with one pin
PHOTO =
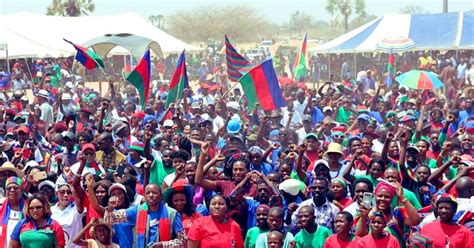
(354, 163)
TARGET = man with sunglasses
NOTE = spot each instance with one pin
(87, 164)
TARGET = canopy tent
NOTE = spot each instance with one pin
(134, 44)
(444, 31)
(47, 33)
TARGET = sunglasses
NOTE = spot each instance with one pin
(89, 154)
(63, 192)
(35, 207)
(14, 189)
(338, 136)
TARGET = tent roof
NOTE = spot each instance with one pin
(48, 32)
(444, 31)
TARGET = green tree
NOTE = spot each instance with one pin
(300, 22)
(412, 9)
(343, 9)
(70, 7)
(202, 24)
(157, 21)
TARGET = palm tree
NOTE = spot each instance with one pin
(70, 7)
(343, 9)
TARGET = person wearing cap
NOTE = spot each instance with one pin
(26, 144)
(444, 232)
(11, 208)
(65, 106)
(47, 189)
(86, 164)
(68, 212)
(69, 155)
(180, 196)
(100, 232)
(156, 224)
(299, 104)
(45, 107)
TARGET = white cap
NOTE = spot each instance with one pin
(66, 96)
(168, 123)
(327, 108)
(290, 186)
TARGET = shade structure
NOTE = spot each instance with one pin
(25, 41)
(442, 31)
(420, 80)
(134, 44)
(395, 44)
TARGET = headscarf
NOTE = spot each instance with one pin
(378, 214)
(387, 186)
(342, 181)
(14, 180)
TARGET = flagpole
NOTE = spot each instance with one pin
(222, 97)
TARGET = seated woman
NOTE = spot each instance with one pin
(215, 230)
(37, 229)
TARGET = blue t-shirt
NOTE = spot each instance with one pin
(153, 219)
(124, 234)
(251, 213)
(264, 168)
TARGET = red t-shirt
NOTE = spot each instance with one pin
(213, 234)
(346, 201)
(313, 157)
(90, 213)
(333, 241)
(226, 187)
(369, 241)
(441, 233)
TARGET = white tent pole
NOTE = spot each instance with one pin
(329, 66)
(8, 60)
(28, 67)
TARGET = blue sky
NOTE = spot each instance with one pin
(273, 10)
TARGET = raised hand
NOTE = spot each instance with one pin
(205, 148)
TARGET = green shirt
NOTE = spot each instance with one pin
(251, 237)
(343, 115)
(411, 197)
(158, 172)
(315, 240)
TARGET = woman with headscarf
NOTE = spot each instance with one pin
(257, 163)
(378, 238)
(339, 192)
(396, 219)
(10, 211)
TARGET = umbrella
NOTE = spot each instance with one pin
(395, 44)
(421, 80)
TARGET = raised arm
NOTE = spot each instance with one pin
(93, 199)
(199, 180)
(435, 178)
(261, 132)
(386, 144)
(299, 163)
(76, 183)
(413, 217)
(77, 240)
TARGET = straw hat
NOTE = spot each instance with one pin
(334, 148)
(8, 166)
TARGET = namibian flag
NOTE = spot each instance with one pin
(178, 82)
(390, 69)
(5, 80)
(86, 57)
(237, 65)
(299, 67)
(261, 84)
(140, 78)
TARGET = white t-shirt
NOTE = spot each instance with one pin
(12, 221)
(71, 221)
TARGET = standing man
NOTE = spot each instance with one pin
(310, 233)
(45, 107)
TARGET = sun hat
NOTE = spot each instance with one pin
(180, 185)
(117, 186)
(334, 148)
(43, 93)
(8, 166)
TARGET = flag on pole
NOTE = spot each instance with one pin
(178, 82)
(140, 78)
(299, 66)
(5, 80)
(87, 57)
(390, 69)
(237, 65)
(261, 84)
(56, 76)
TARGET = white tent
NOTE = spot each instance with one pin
(443, 31)
(31, 35)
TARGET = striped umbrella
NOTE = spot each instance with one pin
(420, 80)
(395, 44)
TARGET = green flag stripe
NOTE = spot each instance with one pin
(249, 90)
